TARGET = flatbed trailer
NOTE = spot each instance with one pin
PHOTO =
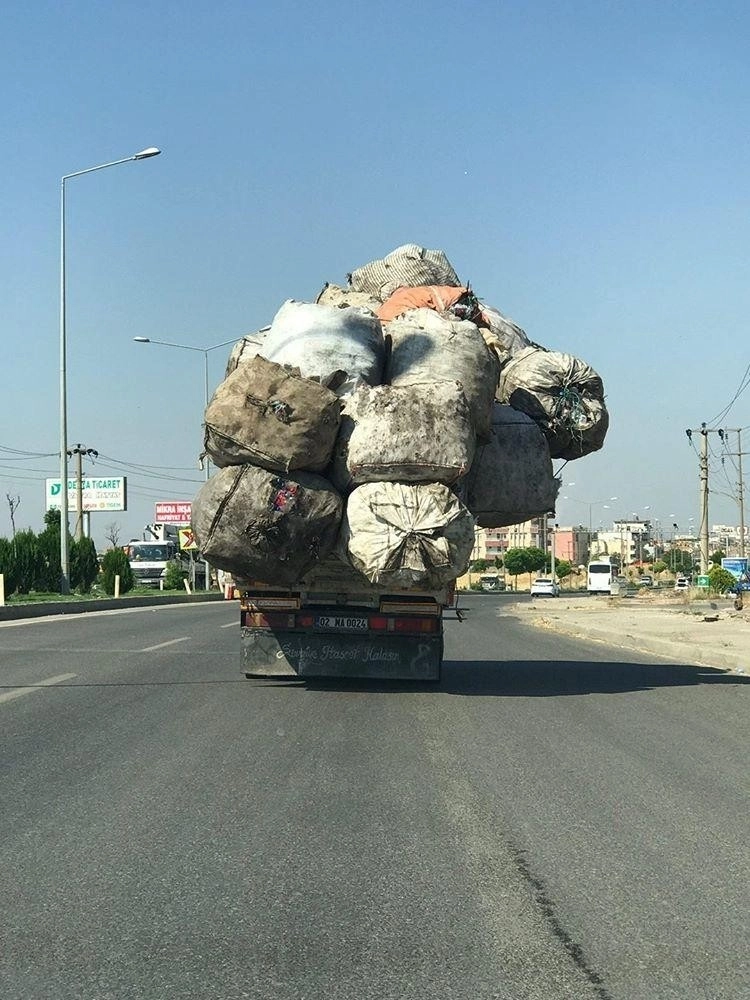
(336, 624)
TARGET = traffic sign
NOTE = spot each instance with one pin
(187, 540)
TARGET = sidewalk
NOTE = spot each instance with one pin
(703, 632)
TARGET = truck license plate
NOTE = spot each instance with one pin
(341, 623)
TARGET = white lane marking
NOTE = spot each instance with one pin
(21, 691)
(229, 625)
(161, 645)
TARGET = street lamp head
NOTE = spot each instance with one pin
(145, 153)
(141, 340)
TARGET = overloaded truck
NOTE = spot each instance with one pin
(360, 440)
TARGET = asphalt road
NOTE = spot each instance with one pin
(554, 821)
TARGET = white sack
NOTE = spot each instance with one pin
(563, 394)
(504, 337)
(427, 347)
(511, 478)
(419, 433)
(410, 265)
(322, 340)
(403, 535)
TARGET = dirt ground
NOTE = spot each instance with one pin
(687, 628)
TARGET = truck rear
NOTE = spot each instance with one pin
(335, 624)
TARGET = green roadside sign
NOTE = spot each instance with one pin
(704, 581)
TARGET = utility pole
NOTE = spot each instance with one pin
(79, 451)
(740, 484)
(704, 432)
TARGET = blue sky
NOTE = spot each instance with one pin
(584, 165)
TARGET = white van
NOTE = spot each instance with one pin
(599, 577)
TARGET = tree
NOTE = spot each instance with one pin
(14, 503)
(536, 559)
(515, 563)
(112, 534)
(679, 561)
(659, 566)
(498, 562)
(717, 556)
(479, 565)
(563, 568)
(115, 563)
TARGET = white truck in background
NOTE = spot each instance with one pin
(150, 556)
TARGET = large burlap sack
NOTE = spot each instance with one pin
(563, 394)
(410, 265)
(403, 535)
(504, 337)
(427, 347)
(420, 433)
(335, 295)
(246, 349)
(321, 340)
(267, 415)
(262, 526)
(511, 478)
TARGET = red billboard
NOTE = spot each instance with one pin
(173, 511)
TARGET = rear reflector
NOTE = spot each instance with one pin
(410, 608)
(255, 602)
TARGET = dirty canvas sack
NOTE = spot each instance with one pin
(410, 265)
(267, 415)
(405, 535)
(420, 433)
(322, 340)
(263, 526)
(511, 478)
(335, 295)
(427, 347)
(246, 349)
(563, 394)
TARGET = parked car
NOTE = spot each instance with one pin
(645, 581)
(545, 588)
(682, 583)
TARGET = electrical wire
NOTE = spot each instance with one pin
(744, 382)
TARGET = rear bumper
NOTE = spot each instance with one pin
(279, 653)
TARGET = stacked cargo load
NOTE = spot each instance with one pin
(375, 427)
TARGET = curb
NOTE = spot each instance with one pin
(10, 613)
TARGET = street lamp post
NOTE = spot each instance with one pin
(590, 504)
(205, 351)
(144, 154)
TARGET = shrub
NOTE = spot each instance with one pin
(84, 565)
(115, 563)
(174, 576)
(720, 580)
(28, 559)
(8, 566)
